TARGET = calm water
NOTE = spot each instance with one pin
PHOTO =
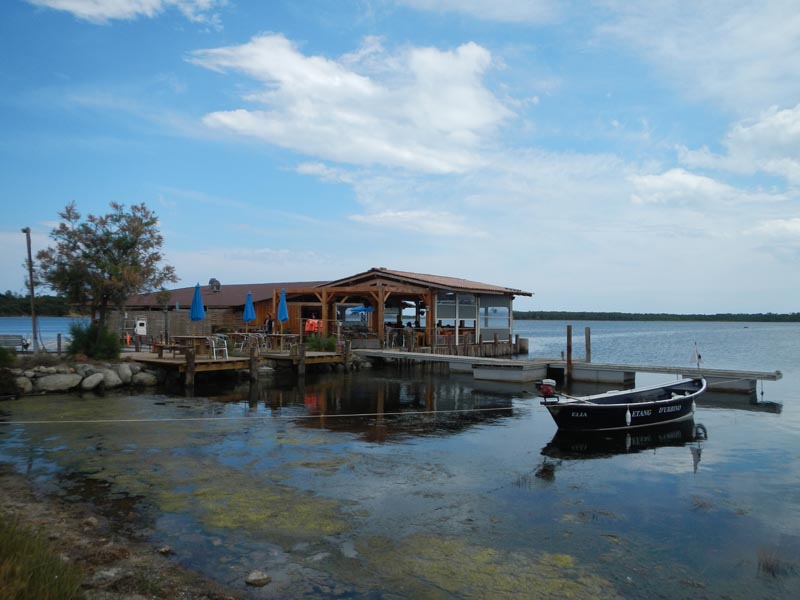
(404, 484)
(48, 328)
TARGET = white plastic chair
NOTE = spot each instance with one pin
(218, 345)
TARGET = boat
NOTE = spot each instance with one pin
(623, 409)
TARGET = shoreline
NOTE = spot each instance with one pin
(115, 566)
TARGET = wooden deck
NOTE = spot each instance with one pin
(202, 364)
(234, 363)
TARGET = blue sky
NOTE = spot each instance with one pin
(606, 155)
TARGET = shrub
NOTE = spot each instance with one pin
(31, 569)
(321, 344)
(85, 340)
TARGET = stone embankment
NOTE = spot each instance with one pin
(84, 377)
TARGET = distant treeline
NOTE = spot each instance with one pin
(562, 315)
(14, 305)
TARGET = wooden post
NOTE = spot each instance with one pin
(588, 335)
(569, 354)
(301, 364)
(190, 367)
(516, 344)
(347, 345)
(253, 363)
(58, 345)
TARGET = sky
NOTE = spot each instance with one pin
(604, 155)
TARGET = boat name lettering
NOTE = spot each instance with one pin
(578, 414)
(641, 413)
(669, 409)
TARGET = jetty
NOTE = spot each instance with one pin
(530, 370)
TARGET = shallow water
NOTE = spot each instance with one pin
(407, 484)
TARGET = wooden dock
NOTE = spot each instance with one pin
(188, 366)
(522, 370)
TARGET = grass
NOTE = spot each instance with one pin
(31, 569)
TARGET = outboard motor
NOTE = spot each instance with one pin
(547, 389)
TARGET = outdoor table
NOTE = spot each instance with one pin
(280, 338)
(198, 343)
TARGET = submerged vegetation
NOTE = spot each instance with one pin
(31, 569)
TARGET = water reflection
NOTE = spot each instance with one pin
(595, 444)
(576, 445)
(379, 408)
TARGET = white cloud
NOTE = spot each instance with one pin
(420, 221)
(324, 172)
(769, 144)
(504, 11)
(740, 54)
(103, 11)
(427, 110)
(680, 187)
(779, 228)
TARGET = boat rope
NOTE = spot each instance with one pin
(256, 417)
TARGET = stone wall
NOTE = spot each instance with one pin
(84, 377)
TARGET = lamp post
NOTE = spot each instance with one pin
(27, 232)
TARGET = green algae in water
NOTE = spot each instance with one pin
(428, 566)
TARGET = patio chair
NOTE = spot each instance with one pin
(218, 346)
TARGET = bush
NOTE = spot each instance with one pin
(321, 344)
(85, 340)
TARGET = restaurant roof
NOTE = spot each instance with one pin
(221, 295)
(216, 294)
(427, 280)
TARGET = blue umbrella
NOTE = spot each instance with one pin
(283, 309)
(249, 309)
(197, 312)
(283, 312)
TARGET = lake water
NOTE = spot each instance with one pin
(48, 328)
(392, 483)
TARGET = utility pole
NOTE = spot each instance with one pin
(27, 232)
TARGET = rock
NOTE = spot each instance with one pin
(258, 579)
(135, 368)
(144, 378)
(24, 385)
(124, 372)
(57, 383)
(166, 550)
(29, 374)
(92, 381)
(110, 378)
(85, 370)
(91, 522)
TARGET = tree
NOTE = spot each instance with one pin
(102, 261)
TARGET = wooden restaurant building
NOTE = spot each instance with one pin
(374, 305)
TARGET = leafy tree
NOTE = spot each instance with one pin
(99, 262)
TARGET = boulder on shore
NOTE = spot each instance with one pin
(60, 382)
(92, 381)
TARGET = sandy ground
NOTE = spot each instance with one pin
(117, 568)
